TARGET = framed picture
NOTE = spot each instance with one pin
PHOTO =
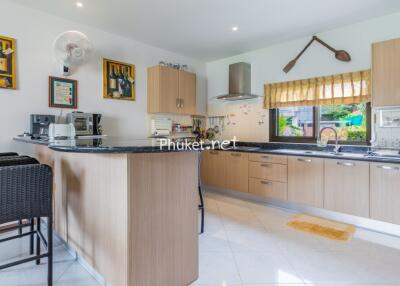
(63, 92)
(7, 63)
(118, 80)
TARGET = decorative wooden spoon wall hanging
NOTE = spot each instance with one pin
(340, 55)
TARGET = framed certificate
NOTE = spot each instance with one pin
(63, 92)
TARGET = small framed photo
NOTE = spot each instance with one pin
(7, 63)
(63, 92)
(118, 80)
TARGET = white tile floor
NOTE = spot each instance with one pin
(247, 244)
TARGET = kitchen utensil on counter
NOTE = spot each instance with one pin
(61, 131)
(85, 124)
(39, 125)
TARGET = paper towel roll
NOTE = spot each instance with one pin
(161, 132)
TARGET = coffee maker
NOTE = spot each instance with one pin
(40, 123)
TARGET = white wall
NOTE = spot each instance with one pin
(267, 67)
(35, 32)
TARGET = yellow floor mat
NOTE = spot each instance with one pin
(323, 227)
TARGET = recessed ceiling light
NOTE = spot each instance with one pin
(79, 4)
(235, 28)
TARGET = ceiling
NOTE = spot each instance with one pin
(202, 29)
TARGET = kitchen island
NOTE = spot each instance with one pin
(127, 207)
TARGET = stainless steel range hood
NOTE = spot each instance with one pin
(239, 83)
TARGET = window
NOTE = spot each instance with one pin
(295, 121)
(303, 123)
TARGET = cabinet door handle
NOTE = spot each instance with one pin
(265, 165)
(236, 154)
(385, 167)
(304, 160)
(346, 164)
(266, 183)
(182, 101)
(178, 103)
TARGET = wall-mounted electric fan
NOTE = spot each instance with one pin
(71, 49)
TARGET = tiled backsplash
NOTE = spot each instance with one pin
(387, 128)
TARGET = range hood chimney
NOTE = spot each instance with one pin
(239, 83)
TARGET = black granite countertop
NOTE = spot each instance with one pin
(347, 152)
(108, 144)
(104, 144)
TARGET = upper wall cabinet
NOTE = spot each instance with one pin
(386, 73)
(170, 91)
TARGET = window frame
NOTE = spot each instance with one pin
(274, 137)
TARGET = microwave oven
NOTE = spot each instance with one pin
(85, 123)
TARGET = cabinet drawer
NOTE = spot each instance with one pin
(268, 158)
(268, 189)
(268, 171)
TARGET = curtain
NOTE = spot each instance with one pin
(346, 88)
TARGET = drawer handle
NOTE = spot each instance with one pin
(266, 183)
(384, 167)
(265, 165)
(266, 157)
(304, 160)
(213, 152)
(346, 164)
(236, 154)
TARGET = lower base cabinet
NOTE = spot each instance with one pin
(268, 189)
(306, 181)
(385, 192)
(213, 168)
(347, 187)
(357, 188)
(237, 171)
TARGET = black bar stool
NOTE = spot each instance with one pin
(8, 154)
(26, 193)
(201, 204)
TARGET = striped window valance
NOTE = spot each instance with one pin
(346, 88)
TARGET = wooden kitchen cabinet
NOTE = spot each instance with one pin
(385, 192)
(213, 168)
(347, 187)
(237, 171)
(306, 181)
(268, 171)
(268, 189)
(170, 91)
(187, 92)
(386, 73)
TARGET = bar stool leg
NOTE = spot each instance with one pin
(201, 206)
(31, 237)
(20, 227)
(50, 250)
(38, 239)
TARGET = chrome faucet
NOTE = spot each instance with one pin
(337, 146)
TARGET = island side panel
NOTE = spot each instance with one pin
(96, 186)
(48, 157)
(163, 219)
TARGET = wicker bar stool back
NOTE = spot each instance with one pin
(8, 154)
(26, 193)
